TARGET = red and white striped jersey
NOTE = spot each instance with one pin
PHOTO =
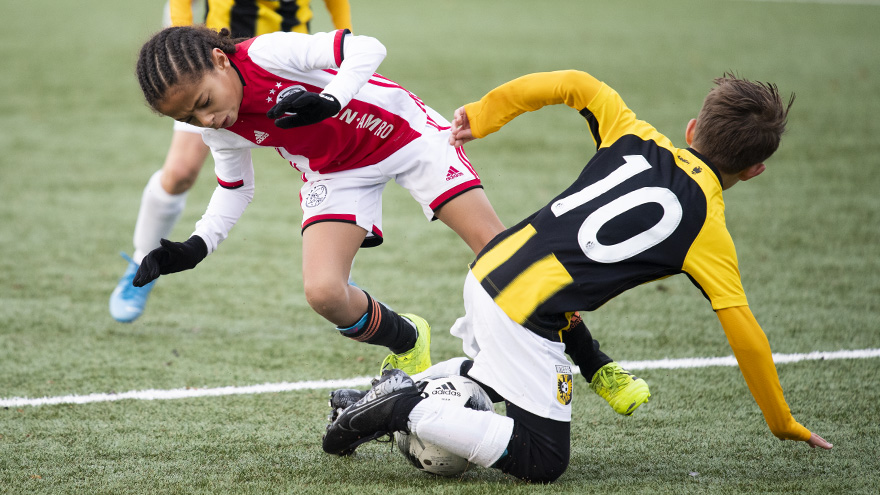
(378, 116)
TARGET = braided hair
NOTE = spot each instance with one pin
(175, 55)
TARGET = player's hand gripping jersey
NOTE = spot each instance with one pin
(378, 116)
(640, 210)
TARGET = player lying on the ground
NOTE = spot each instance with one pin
(640, 210)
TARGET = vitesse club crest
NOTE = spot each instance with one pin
(563, 384)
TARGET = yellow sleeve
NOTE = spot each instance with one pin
(752, 351)
(340, 13)
(181, 12)
(528, 93)
(711, 260)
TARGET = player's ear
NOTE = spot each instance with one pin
(753, 171)
(221, 61)
(689, 131)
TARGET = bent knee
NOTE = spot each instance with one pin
(179, 176)
(537, 466)
(539, 450)
(325, 296)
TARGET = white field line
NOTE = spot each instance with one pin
(364, 381)
(873, 3)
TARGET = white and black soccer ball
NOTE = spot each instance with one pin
(430, 458)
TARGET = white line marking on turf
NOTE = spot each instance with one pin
(189, 392)
(363, 381)
(871, 3)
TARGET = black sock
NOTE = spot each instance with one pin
(384, 327)
(400, 413)
(583, 349)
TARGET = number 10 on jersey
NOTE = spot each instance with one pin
(639, 241)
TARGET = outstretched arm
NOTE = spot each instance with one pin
(752, 351)
(525, 94)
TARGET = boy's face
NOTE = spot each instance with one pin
(211, 101)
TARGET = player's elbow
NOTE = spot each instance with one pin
(381, 50)
(373, 46)
(574, 78)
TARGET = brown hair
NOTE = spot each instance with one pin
(741, 123)
(177, 55)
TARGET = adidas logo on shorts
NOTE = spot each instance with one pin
(453, 174)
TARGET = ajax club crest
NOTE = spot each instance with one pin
(288, 90)
(316, 195)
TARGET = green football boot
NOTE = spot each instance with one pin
(418, 358)
(624, 391)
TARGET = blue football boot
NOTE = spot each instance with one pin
(127, 302)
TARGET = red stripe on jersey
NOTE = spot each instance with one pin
(394, 85)
(455, 191)
(338, 44)
(388, 83)
(462, 157)
(435, 125)
(230, 185)
(293, 165)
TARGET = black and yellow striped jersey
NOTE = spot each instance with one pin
(249, 18)
(640, 210)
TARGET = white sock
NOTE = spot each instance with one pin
(481, 437)
(448, 367)
(157, 216)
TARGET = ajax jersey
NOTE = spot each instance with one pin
(361, 134)
(380, 119)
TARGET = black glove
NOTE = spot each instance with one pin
(304, 108)
(170, 257)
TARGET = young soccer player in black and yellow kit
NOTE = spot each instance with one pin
(641, 209)
(249, 18)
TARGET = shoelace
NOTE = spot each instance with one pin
(130, 291)
(610, 381)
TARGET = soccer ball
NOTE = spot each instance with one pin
(431, 458)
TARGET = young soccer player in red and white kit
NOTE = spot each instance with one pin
(318, 101)
(164, 197)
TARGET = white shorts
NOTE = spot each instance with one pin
(526, 369)
(428, 167)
